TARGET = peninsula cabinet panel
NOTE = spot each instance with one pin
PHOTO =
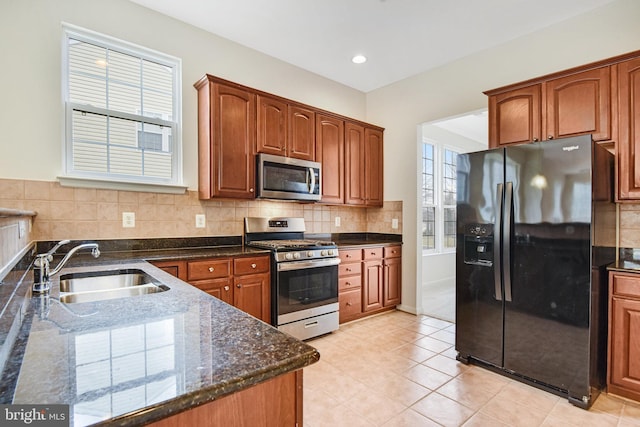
(579, 104)
(272, 126)
(515, 116)
(273, 403)
(219, 288)
(330, 153)
(624, 335)
(628, 144)
(301, 142)
(226, 140)
(251, 294)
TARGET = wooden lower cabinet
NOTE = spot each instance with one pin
(244, 282)
(369, 280)
(623, 376)
(273, 403)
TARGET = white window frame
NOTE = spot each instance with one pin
(71, 177)
(438, 182)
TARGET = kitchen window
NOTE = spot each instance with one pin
(122, 113)
(438, 198)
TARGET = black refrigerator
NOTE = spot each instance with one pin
(535, 230)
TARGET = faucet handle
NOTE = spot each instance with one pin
(56, 247)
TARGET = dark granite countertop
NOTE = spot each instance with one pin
(134, 360)
(628, 261)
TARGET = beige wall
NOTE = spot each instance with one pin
(457, 88)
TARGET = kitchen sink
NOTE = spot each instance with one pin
(104, 285)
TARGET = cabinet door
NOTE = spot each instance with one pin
(251, 294)
(628, 147)
(330, 153)
(624, 357)
(219, 288)
(175, 268)
(301, 142)
(354, 164)
(392, 281)
(373, 167)
(579, 104)
(372, 285)
(233, 142)
(515, 117)
(272, 126)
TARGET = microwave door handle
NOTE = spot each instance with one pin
(311, 178)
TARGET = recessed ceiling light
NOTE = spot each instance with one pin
(359, 59)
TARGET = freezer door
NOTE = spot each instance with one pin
(547, 257)
(479, 293)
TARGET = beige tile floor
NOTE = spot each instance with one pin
(397, 369)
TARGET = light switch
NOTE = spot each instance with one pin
(337, 221)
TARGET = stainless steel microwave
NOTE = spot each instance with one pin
(287, 178)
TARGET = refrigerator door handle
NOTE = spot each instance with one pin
(497, 238)
(508, 208)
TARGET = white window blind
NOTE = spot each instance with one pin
(122, 111)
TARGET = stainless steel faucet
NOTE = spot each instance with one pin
(41, 269)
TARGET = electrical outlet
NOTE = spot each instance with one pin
(200, 221)
(394, 223)
(21, 229)
(337, 221)
(128, 219)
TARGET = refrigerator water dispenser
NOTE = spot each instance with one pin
(478, 244)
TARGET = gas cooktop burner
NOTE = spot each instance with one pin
(291, 244)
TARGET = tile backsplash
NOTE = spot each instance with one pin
(80, 213)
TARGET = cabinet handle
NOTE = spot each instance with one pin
(348, 269)
(373, 253)
(238, 286)
(535, 139)
(211, 269)
(549, 136)
(226, 288)
(347, 256)
(251, 190)
(349, 304)
(348, 283)
(253, 266)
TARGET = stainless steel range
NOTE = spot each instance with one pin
(304, 279)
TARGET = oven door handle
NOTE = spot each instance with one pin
(300, 265)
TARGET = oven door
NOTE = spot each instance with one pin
(305, 289)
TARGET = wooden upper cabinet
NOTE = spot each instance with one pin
(373, 169)
(628, 144)
(579, 104)
(330, 153)
(272, 126)
(515, 116)
(354, 164)
(301, 141)
(576, 104)
(226, 140)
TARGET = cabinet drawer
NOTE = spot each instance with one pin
(350, 304)
(349, 269)
(208, 269)
(372, 253)
(392, 251)
(350, 255)
(242, 266)
(349, 282)
(628, 286)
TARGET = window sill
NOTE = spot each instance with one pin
(69, 181)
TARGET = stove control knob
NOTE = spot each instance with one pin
(331, 252)
(323, 253)
(289, 256)
(296, 255)
(310, 254)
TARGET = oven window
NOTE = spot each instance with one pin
(307, 288)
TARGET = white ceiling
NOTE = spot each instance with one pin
(401, 38)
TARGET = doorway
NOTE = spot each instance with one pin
(439, 142)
